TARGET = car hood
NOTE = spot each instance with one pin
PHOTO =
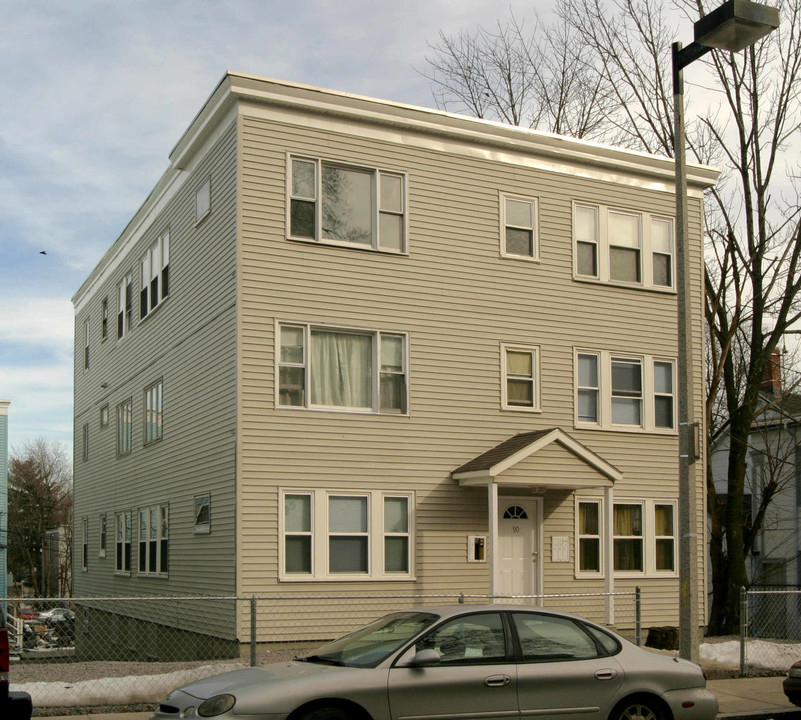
(242, 683)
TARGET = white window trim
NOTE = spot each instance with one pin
(203, 197)
(376, 172)
(154, 392)
(595, 574)
(646, 248)
(158, 572)
(122, 542)
(535, 366)
(319, 537)
(604, 421)
(125, 303)
(376, 379)
(85, 544)
(649, 538)
(202, 528)
(163, 245)
(102, 535)
(535, 228)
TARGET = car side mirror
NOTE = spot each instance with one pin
(425, 658)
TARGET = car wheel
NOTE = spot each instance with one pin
(326, 713)
(636, 709)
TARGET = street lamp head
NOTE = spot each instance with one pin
(736, 24)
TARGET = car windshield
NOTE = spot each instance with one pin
(370, 645)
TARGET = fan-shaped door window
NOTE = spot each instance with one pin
(515, 512)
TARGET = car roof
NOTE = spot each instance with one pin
(448, 611)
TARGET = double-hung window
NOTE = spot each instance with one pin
(332, 368)
(624, 392)
(85, 544)
(86, 345)
(122, 542)
(520, 389)
(103, 535)
(124, 307)
(588, 536)
(155, 275)
(643, 537)
(153, 413)
(629, 555)
(124, 427)
(623, 247)
(333, 535)
(203, 201)
(336, 203)
(153, 540)
(519, 220)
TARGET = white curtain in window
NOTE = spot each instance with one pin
(341, 369)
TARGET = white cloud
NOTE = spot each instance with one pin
(39, 321)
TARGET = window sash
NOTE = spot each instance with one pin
(345, 204)
(155, 275)
(628, 544)
(623, 246)
(122, 541)
(153, 540)
(338, 368)
(588, 536)
(355, 536)
(154, 428)
(519, 227)
(124, 427)
(520, 374)
(124, 307)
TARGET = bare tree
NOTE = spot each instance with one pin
(541, 79)
(744, 120)
(39, 499)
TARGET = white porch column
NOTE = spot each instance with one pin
(492, 507)
(609, 553)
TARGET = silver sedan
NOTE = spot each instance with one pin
(459, 662)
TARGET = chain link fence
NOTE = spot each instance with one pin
(95, 651)
(770, 624)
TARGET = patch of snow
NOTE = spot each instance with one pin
(119, 690)
(761, 654)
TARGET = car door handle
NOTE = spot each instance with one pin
(607, 674)
(497, 681)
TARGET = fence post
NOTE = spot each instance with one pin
(743, 630)
(253, 631)
(638, 616)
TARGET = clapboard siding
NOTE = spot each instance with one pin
(458, 300)
(189, 342)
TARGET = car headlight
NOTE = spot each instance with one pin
(216, 705)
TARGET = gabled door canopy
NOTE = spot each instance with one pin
(487, 467)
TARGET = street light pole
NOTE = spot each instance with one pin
(733, 26)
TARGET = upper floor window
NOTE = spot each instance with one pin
(519, 220)
(86, 345)
(342, 369)
(85, 544)
(124, 427)
(345, 204)
(85, 452)
(520, 378)
(155, 275)
(623, 391)
(203, 201)
(104, 320)
(124, 306)
(359, 535)
(632, 248)
(153, 412)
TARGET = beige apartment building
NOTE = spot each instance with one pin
(349, 346)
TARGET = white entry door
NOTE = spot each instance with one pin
(518, 545)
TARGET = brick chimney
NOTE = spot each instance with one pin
(772, 379)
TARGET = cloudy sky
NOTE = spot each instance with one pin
(93, 96)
